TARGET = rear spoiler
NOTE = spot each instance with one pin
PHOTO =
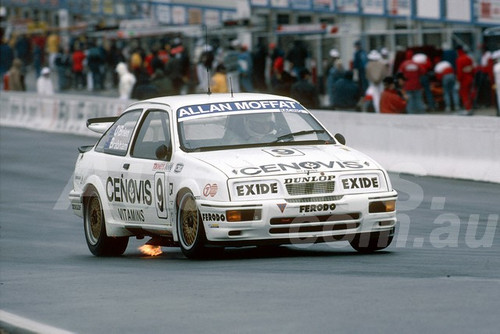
(100, 124)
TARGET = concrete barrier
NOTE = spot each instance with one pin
(60, 113)
(438, 145)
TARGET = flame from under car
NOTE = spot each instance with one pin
(150, 250)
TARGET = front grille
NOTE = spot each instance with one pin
(310, 188)
(314, 199)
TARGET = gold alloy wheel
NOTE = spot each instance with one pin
(189, 221)
(94, 220)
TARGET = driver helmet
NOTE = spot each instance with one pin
(259, 124)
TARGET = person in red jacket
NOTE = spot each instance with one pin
(77, 59)
(392, 101)
(465, 77)
(413, 87)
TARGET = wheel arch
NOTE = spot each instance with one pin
(94, 182)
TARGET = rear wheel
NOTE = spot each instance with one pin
(95, 229)
(190, 228)
(370, 242)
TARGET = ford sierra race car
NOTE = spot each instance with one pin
(227, 170)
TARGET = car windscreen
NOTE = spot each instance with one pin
(250, 128)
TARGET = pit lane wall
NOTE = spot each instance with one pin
(62, 113)
(451, 146)
(438, 145)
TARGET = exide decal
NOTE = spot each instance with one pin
(128, 190)
(360, 182)
(257, 189)
(297, 166)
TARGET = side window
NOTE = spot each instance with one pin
(117, 139)
(154, 132)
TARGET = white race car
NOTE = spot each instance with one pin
(209, 171)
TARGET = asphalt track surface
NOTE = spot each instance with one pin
(440, 275)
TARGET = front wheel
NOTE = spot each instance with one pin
(190, 228)
(95, 229)
(370, 242)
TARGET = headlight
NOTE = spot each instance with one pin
(382, 206)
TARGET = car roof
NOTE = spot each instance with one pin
(178, 101)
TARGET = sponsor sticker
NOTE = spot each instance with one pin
(178, 168)
(209, 108)
(284, 152)
(360, 183)
(257, 189)
(210, 190)
(281, 206)
(317, 207)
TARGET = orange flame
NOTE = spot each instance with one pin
(150, 250)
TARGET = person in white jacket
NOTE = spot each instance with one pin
(44, 83)
(127, 81)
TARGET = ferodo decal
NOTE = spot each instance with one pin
(317, 207)
(298, 166)
(131, 191)
(213, 217)
(210, 190)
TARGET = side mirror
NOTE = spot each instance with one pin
(340, 138)
(163, 152)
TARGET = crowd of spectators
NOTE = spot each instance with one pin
(415, 80)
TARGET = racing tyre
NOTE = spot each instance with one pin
(190, 228)
(95, 229)
(370, 242)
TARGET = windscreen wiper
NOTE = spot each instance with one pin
(298, 133)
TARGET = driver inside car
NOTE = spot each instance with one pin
(259, 127)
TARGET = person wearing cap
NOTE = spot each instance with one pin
(465, 77)
(424, 62)
(44, 83)
(446, 75)
(391, 101)
(335, 72)
(376, 71)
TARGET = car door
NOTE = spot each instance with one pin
(112, 166)
(149, 165)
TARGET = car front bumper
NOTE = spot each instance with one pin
(278, 221)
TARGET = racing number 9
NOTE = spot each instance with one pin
(160, 202)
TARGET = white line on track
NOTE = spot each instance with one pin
(29, 325)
